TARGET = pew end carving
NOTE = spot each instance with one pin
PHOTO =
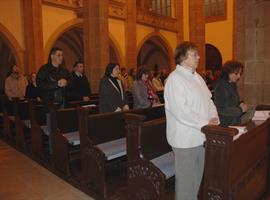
(37, 113)
(145, 180)
(92, 158)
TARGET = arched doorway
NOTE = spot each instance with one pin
(154, 52)
(71, 42)
(213, 59)
(7, 59)
(10, 53)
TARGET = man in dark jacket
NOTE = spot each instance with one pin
(79, 89)
(52, 78)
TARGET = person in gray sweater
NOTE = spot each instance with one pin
(144, 95)
(226, 97)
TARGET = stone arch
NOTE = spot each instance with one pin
(11, 52)
(59, 31)
(15, 47)
(165, 48)
(76, 25)
(117, 50)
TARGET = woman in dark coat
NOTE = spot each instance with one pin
(226, 97)
(112, 96)
(32, 91)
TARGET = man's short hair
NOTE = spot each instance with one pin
(52, 52)
(77, 62)
(181, 51)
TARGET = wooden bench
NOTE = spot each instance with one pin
(263, 107)
(161, 96)
(103, 139)
(65, 137)
(8, 118)
(150, 158)
(94, 103)
(1, 118)
(237, 169)
(22, 123)
(39, 130)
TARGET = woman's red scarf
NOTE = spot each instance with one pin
(152, 96)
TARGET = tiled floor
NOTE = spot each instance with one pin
(23, 179)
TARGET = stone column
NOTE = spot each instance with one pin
(33, 35)
(179, 16)
(96, 40)
(252, 48)
(197, 29)
(131, 41)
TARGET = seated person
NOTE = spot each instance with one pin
(112, 96)
(15, 83)
(157, 83)
(32, 91)
(144, 95)
(226, 97)
(79, 88)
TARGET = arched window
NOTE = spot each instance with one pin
(215, 10)
(161, 7)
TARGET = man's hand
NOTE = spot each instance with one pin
(62, 82)
(126, 107)
(213, 121)
(244, 107)
(86, 98)
(118, 109)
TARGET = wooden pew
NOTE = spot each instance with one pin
(8, 118)
(39, 131)
(93, 103)
(150, 158)
(161, 96)
(262, 107)
(22, 123)
(65, 137)
(103, 140)
(237, 169)
(1, 118)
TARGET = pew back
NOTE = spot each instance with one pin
(150, 113)
(37, 113)
(153, 141)
(106, 127)
(22, 109)
(237, 169)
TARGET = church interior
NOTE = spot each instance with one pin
(74, 162)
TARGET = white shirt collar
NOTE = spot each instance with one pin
(185, 69)
(78, 74)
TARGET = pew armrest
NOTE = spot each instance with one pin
(114, 149)
(73, 138)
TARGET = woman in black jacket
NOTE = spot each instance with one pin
(32, 91)
(112, 96)
(226, 97)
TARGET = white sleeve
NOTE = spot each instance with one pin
(176, 103)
